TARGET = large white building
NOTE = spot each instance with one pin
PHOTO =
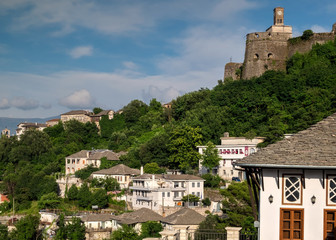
(295, 181)
(231, 150)
(157, 190)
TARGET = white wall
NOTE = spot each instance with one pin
(313, 213)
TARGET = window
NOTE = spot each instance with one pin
(331, 188)
(176, 184)
(198, 184)
(163, 194)
(193, 193)
(77, 161)
(224, 172)
(168, 194)
(83, 161)
(329, 224)
(291, 189)
(73, 161)
(193, 184)
(198, 194)
(291, 224)
(176, 194)
(68, 161)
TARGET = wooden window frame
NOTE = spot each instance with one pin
(327, 190)
(283, 188)
(281, 220)
(324, 221)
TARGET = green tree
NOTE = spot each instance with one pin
(212, 181)
(3, 232)
(183, 143)
(97, 110)
(100, 198)
(50, 201)
(73, 192)
(153, 168)
(190, 198)
(26, 228)
(151, 229)
(124, 233)
(84, 173)
(210, 158)
(84, 196)
(75, 230)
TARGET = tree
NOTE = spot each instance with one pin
(153, 168)
(99, 198)
(183, 142)
(206, 202)
(49, 200)
(190, 198)
(26, 228)
(212, 181)
(75, 230)
(3, 232)
(73, 192)
(126, 232)
(97, 110)
(84, 173)
(151, 229)
(84, 196)
(210, 158)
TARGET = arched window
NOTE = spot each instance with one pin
(270, 55)
(256, 56)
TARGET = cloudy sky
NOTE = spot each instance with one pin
(77, 54)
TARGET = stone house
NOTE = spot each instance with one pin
(122, 173)
(84, 158)
(82, 116)
(184, 222)
(22, 127)
(157, 191)
(294, 184)
(231, 150)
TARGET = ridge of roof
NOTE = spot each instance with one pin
(309, 148)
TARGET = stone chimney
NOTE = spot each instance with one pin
(226, 134)
(141, 170)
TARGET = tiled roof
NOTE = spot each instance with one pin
(184, 216)
(102, 113)
(119, 169)
(80, 154)
(54, 120)
(110, 155)
(139, 216)
(172, 177)
(78, 112)
(97, 217)
(35, 125)
(314, 147)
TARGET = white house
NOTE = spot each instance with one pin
(23, 127)
(163, 190)
(296, 179)
(231, 150)
(120, 172)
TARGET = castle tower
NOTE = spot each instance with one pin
(278, 14)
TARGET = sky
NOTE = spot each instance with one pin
(56, 56)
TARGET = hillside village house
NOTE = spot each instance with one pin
(230, 150)
(53, 122)
(5, 132)
(296, 179)
(22, 127)
(156, 191)
(85, 158)
(122, 173)
(184, 222)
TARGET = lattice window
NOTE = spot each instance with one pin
(292, 189)
(331, 200)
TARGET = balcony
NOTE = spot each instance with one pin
(148, 198)
(177, 198)
(178, 189)
(142, 188)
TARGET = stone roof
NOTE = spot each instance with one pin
(310, 148)
(102, 113)
(78, 112)
(97, 217)
(97, 155)
(80, 154)
(172, 177)
(33, 125)
(184, 216)
(139, 216)
(119, 169)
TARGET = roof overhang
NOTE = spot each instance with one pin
(279, 166)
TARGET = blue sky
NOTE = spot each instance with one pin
(77, 54)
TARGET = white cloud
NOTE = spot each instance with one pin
(161, 95)
(319, 29)
(24, 103)
(130, 65)
(117, 17)
(78, 99)
(4, 103)
(81, 51)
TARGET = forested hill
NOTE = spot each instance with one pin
(270, 106)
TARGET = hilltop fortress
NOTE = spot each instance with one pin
(269, 50)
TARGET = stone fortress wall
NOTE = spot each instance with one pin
(270, 50)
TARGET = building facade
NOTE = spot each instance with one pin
(84, 158)
(294, 184)
(23, 127)
(231, 150)
(157, 191)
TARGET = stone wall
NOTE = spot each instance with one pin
(264, 51)
(303, 46)
(231, 70)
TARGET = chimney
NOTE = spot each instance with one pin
(141, 170)
(226, 134)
